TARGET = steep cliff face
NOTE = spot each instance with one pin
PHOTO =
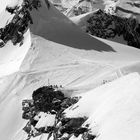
(80, 12)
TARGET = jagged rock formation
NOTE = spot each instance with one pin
(123, 8)
(107, 26)
(126, 10)
(83, 6)
(72, 8)
(15, 30)
(45, 115)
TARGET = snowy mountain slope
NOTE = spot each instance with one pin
(4, 4)
(108, 27)
(112, 109)
(121, 8)
(84, 77)
(80, 66)
(62, 33)
(81, 20)
(125, 8)
(11, 56)
(82, 71)
(11, 60)
(5, 16)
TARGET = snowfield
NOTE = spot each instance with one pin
(113, 109)
(11, 56)
(105, 74)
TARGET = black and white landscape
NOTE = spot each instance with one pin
(64, 77)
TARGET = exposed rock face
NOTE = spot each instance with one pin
(15, 30)
(28, 109)
(45, 115)
(83, 6)
(117, 7)
(109, 26)
(47, 99)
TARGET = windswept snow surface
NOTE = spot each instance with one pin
(4, 3)
(81, 65)
(11, 56)
(5, 16)
(113, 109)
(78, 70)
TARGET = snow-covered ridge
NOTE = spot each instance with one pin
(11, 57)
(84, 65)
(112, 109)
(81, 11)
(109, 6)
(124, 8)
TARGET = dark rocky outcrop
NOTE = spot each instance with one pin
(15, 30)
(109, 26)
(51, 101)
(47, 98)
(70, 125)
(28, 109)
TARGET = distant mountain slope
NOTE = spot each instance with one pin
(66, 34)
(124, 8)
(11, 57)
(121, 8)
(80, 8)
(112, 27)
(77, 70)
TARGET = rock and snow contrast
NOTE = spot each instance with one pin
(56, 82)
(114, 13)
(123, 7)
